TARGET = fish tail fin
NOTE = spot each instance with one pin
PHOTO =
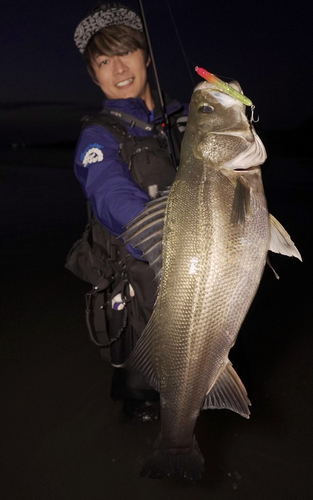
(185, 463)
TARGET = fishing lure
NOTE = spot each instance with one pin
(223, 86)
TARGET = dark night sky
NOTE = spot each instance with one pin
(266, 45)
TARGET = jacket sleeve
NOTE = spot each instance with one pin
(106, 181)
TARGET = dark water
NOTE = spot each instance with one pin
(61, 435)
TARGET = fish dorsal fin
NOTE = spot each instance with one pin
(280, 240)
(142, 359)
(146, 233)
(241, 202)
(228, 393)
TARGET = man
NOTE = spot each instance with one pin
(122, 162)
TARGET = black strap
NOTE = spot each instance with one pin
(90, 296)
(131, 120)
(113, 124)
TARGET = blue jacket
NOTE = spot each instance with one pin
(106, 180)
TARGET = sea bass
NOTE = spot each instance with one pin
(207, 240)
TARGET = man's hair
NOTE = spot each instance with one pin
(112, 41)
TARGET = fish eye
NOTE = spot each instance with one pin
(206, 109)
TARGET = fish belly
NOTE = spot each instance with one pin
(211, 271)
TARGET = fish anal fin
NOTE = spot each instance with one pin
(241, 202)
(280, 240)
(142, 358)
(228, 393)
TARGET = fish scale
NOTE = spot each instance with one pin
(216, 235)
(201, 348)
(191, 292)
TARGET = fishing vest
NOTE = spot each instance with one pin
(123, 292)
(148, 157)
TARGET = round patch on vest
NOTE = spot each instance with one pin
(92, 154)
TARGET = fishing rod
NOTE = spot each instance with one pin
(160, 95)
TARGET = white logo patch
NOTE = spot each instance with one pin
(93, 155)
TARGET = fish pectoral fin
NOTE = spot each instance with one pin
(280, 240)
(142, 359)
(228, 393)
(241, 202)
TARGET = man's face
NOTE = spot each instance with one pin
(122, 76)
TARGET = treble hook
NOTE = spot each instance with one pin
(252, 115)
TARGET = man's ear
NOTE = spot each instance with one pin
(148, 61)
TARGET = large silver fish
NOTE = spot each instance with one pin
(207, 241)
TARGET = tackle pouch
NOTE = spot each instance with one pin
(149, 162)
(106, 325)
(89, 263)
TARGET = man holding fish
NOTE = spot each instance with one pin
(207, 240)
